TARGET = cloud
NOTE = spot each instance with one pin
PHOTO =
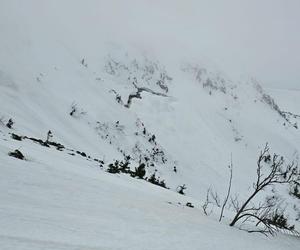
(243, 37)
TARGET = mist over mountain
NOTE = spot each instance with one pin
(121, 123)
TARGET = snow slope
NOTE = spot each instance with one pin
(287, 98)
(54, 202)
(198, 115)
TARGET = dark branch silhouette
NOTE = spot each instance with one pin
(270, 171)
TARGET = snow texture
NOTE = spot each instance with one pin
(106, 100)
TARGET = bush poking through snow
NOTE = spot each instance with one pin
(119, 167)
(123, 167)
(140, 171)
(156, 181)
(189, 204)
(10, 123)
(49, 136)
(39, 141)
(57, 145)
(83, 63)
(295, 190)
(114, 168)
(180, 189)
(278, 220)
(17, 154)
(16, 137)
(83, 154)
(75, 111)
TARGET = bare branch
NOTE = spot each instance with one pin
(271, 170)
(228, 191)
(206, 203)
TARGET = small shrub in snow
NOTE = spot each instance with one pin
(155, 180)
(49, 136)
(152, 139)
(100, 161)
(295, 190)
(119, 99)
(189, 204)
(180, 189)
(278, 220)
(140, 171)
(119, 167)
(39, 141)
(75, 111)
(16, 137)
(124, 167)
(57, 145)
(114, 168)
(10, 123)
(83, 63)
(83, 154)
(17, 154)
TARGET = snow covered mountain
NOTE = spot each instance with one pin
(105, 102)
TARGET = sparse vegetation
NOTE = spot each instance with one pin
(180, 189)
(140, 171)
(49, 136)
(147, 72)
(10, 123)
(295, 190)
(16, 137)
(75, 111)
(156, 181)
(114, 168)
(17, 154)
(271, 171)
(118, 167)
(189, 204)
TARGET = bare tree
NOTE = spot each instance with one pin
(207, 202)
(235, 203)
(271, 170)
(228, 191)
(212, 198)
(215, 198)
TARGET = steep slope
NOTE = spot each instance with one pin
(105, 102)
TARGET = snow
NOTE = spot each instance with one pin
(287, 98)
(55, 200)
(63, 205)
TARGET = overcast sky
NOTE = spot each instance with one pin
(256, 37)
(259, 38)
